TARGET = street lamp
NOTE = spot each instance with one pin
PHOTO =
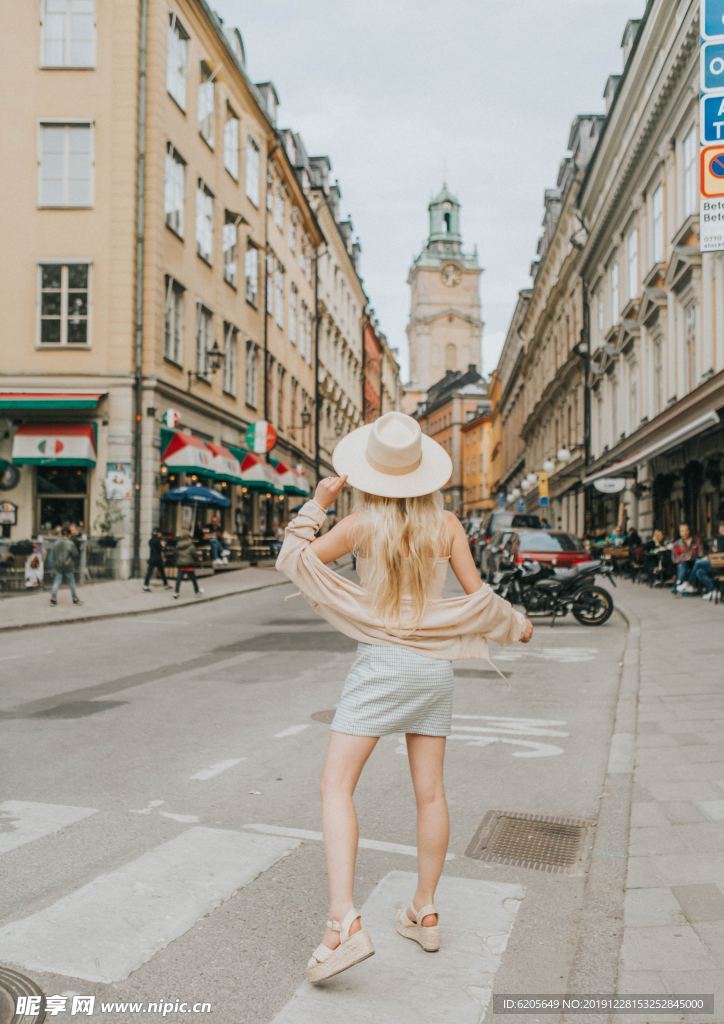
(548, 466)
(214, 360)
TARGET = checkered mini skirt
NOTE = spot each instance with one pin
(390, 688)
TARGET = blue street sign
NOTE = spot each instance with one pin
(712, 119)
(712, 67)
(712, 21)
(543, 502)
(521, 505)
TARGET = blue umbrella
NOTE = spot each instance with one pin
(197, 496)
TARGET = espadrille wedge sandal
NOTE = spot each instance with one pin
(325, 962)
(427, 935)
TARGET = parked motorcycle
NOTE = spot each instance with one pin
(543, 590)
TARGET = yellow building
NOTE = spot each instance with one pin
(151, 193)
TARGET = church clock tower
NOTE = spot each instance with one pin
(445, 329)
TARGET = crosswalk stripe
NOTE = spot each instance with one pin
(216, 769)
(120, 919)
(293, 730)
(401, 982)
(23, 821)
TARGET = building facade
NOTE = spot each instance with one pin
(373, 369)
(477, 460)
(445, 328)
(166, 262)
(507, 395)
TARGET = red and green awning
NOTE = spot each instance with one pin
(55, 444)
(290, 478)
(226, 465)
(256, 473)
(186, 453)
(49, 398)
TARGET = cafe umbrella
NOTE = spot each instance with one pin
(196, 496)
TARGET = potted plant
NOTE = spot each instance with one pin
(21, 547)
(109, 513)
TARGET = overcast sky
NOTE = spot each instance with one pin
(403, 93)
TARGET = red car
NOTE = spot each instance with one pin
(549, 547)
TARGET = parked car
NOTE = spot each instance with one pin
(549, 547)
(496, 521)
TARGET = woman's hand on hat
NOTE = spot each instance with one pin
(527, 632)
(328, 488)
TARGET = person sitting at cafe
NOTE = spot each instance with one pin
(685, 551)
(658, 565)
(701, 574)
(220, 547)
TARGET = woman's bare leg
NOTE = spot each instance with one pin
(346, 757)
(426, 755)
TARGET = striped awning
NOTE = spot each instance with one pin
(49, 398)
(256, 473)
(55, 444)
(226, 465)
(186, 453)
(290, 478)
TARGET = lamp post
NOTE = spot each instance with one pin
(213, 359)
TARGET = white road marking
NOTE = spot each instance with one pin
(565, 655)
(291, 731)
(150, 806)
(185, 819)
(504, 729)
(367, 844)
(120, 919)
(399, 983)
(216, 769)
(23, 821)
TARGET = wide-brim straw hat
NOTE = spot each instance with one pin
(392, 457)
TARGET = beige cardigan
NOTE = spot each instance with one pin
(451, 627)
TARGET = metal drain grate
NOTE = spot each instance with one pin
(324, 716)
(12, 985)
(541, 841)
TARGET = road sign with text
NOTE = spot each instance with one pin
(711, 157)
(712, 18)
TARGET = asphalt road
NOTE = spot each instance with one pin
(159, 816)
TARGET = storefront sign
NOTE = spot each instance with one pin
(543, 489)
(8, 513)
(119, 481)
(260, 436)
(610, 484)
(711, 157)
(171, 418)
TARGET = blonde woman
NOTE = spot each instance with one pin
(408, 634)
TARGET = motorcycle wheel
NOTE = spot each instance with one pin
(593, 606)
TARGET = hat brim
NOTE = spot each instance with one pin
(349, 457)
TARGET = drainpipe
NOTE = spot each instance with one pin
(586, 355)
(317, 319)
(138, 335)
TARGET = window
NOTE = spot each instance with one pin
(281, 377)
(310, 324)
(292, 237)
(206, 105)
(615, 305)
(174, 193)
(231, 143)
(633, 264)
(279, 207)
(303, 330)
(279, 295)
(293, 314)
(230, 339)
(251, 377)
(690, 182)
(690, 345)
(173, 323)
(270, 261)
(303, 256)
(68, 33)
(204, 319)
(657, 224)
(177, 57)
(633, 397)
(64, 303)
(252, 170)
(62, 496)
(204, 221)
(66, 164)
(229, 245)
(658, 374)
(251, 273)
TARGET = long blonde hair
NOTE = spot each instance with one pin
(398, 536)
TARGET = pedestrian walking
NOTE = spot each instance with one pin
(63, 561)
(407, 636)
(186, 563)
(155, 559)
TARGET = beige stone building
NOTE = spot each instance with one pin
(160, 251)
(445, 328)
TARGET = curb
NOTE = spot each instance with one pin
(141, 611)
(595, 961)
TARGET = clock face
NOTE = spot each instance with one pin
(451, 275)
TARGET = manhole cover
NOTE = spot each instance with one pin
(324, 716)
(13, 984)
(541, 841)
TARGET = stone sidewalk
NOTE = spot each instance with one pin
(673, 940)
(126, 597)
